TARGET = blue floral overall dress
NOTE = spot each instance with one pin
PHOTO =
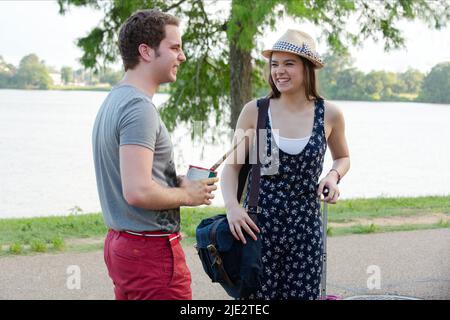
(290, 219)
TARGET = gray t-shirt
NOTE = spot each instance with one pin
(128, 116)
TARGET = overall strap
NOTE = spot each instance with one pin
(263, 106)
(320, 111)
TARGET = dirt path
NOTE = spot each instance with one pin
(430, 218)
(414, 263)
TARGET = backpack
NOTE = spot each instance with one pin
(227, 261)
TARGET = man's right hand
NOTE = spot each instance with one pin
(198, 192)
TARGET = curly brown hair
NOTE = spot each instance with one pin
(143, 26)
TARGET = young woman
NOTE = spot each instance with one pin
(300, 125)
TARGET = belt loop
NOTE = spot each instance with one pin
(174, 237)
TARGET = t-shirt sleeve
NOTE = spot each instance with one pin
(139, 124)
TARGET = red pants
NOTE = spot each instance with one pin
(147, 268)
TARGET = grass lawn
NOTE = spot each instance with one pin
(54, 234)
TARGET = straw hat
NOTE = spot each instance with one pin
(299, 43)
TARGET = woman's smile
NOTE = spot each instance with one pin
(283, 81)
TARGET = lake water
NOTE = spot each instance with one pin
(46, 167)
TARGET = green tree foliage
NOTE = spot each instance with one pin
(32, 74)
(7, 72)
(381, 84)
(411, 81)
(436, 85)
(374, 83)
(341, 81)
(222, 51)
(329, 76)
(350, 85)
(110, 76)
(66, 75)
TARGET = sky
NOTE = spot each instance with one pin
(37, 27)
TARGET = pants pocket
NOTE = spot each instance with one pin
(180, 270)
(106, 247)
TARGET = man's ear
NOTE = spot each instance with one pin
(146, 52)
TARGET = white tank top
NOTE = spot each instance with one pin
(289, 145)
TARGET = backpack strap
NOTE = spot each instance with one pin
(263, 106)
(213, 232)
(212, 249)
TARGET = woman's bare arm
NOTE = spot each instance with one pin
(337, 143)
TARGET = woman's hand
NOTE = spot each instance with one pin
(239, 219)
(329, 182)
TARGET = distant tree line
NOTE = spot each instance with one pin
(33, 73)
(223, 69)
(341, 81)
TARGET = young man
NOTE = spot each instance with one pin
(139, 191)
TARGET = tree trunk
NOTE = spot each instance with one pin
(240, 80)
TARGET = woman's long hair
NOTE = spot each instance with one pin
(309, 80)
